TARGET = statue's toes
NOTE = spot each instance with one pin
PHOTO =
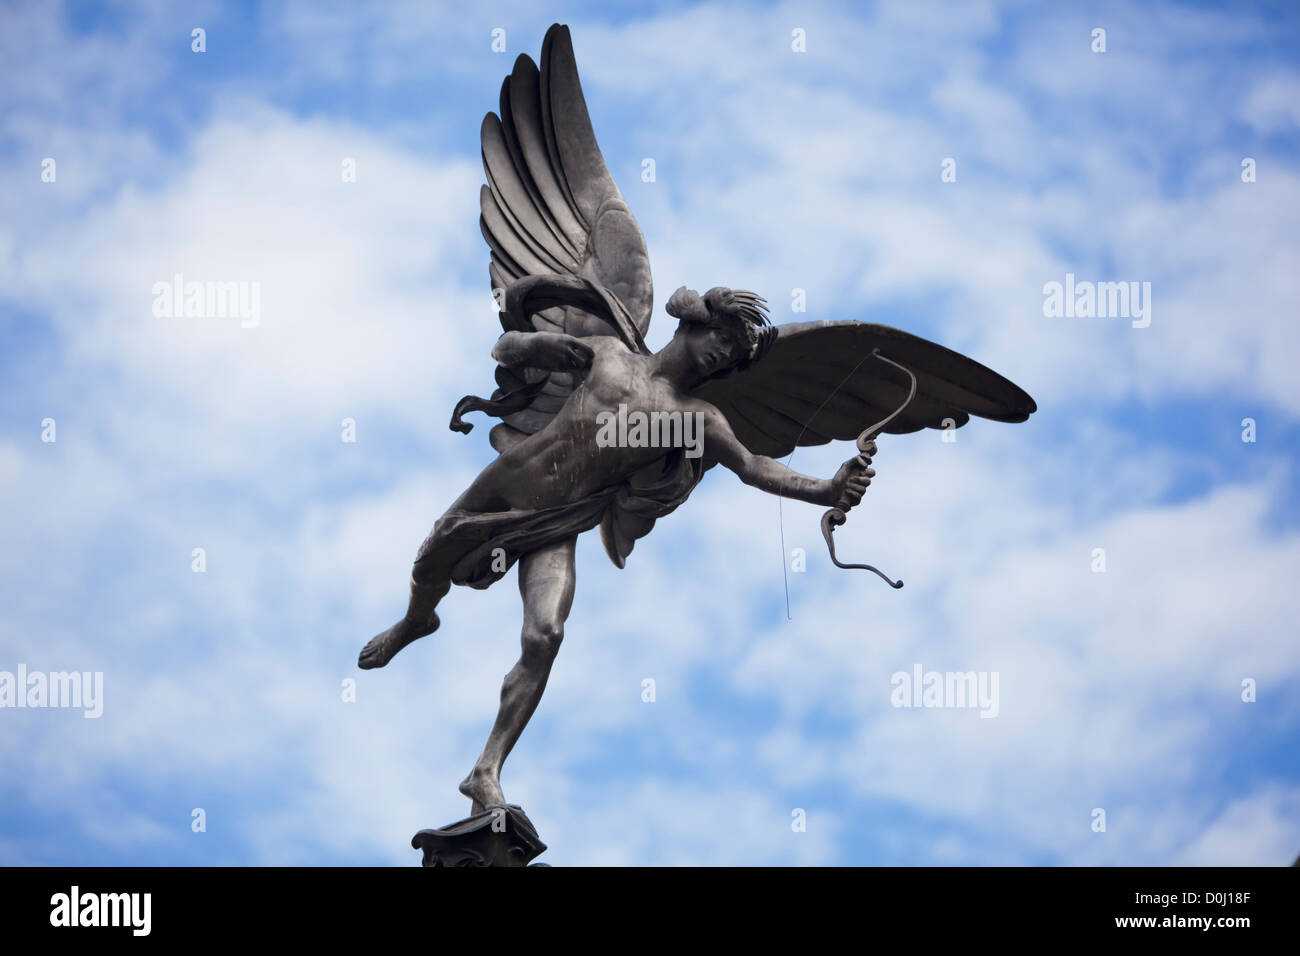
(372, 655)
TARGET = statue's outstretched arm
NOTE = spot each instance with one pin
(553, 351)
(844, 490)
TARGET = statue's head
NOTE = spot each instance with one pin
(724, 330)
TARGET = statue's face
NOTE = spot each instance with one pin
(712, 349)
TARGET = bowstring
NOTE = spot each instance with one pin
(780, 502)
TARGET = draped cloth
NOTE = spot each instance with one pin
(477, 548)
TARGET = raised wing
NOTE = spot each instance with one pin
(818, 382)
(551, 208)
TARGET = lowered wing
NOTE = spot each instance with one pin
(816, 383)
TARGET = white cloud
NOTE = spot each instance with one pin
(183, 433)
(1261, 829)
(1273, 103)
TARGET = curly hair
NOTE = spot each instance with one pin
(742, 313)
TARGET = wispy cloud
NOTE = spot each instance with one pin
(1120, 690)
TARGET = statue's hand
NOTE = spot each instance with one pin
(686, 304)
(557, 351)
(851, 481)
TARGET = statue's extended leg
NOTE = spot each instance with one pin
(431, 574)
(430, 582)
(546, 580)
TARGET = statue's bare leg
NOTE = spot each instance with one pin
(421, 620)
(546, 581)
(431, 576)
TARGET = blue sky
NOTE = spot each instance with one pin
(775, 171)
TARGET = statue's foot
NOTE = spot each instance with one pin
(483, 787)
(383, 647)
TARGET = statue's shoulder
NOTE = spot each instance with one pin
(608, 345)
(690, 402)
(612, 357)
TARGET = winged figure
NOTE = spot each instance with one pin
(571, 274)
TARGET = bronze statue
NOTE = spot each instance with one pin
(570, 270)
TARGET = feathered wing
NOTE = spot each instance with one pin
(818, 382)
(554, 218)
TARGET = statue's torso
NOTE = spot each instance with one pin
(583, 449)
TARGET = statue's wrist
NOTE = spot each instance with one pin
(829, 495)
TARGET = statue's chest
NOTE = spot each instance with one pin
(623, 381)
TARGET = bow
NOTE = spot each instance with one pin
(836, 516)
